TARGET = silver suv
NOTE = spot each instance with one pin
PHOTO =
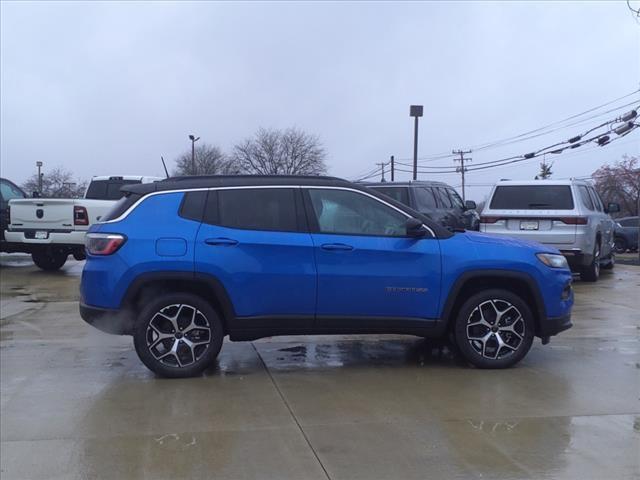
(567, 214)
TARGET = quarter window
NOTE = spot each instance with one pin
(272, 209)
(596, 199)
(353, 213)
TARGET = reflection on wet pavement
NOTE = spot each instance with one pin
(76, 403)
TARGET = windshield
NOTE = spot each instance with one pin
(532, 197)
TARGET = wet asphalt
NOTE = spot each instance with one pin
(77, 403)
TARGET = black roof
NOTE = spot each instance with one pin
(208, 181)
(407, 183)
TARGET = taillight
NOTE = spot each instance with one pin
(80, 215)
(489, 219)
(103, 243)
(574, 220)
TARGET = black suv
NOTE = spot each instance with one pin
(437, 200)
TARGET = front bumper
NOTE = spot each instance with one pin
(554, 325)
(116, 322)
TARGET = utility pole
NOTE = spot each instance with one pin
(382, 164)
(193, 153)
(461, 168)
(415, 111)
(392, 170)
(39, 165)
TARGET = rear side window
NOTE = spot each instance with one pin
(584, 196)
(532, 197)
(271, 209)
(121, 206)
(425, 201)
(399, 194)
(107, 189)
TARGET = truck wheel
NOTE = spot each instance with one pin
(494, 329)
(620, 245)
(49, 261)
(178, 335)
(591, 272)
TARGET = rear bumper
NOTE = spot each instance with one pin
(116, 322)
(74, 238)
(554, 325)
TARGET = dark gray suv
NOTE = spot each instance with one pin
(436, 200)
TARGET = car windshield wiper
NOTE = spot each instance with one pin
(539, 204)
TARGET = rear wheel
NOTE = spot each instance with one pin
(178, 335)
(49, 261)
(591, 272)
(494, 329)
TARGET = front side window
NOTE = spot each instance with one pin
(352, 213)
(455, 198)
(443, 198)
(271, 209)
(586, 199)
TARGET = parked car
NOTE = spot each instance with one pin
(8, 191)
(436, 200)
(181, 263)
(51, 229)
(626, 234)
(566, 214)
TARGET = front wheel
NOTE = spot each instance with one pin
(620, 245)
(178, 335)
(49, 261)
(494, 329)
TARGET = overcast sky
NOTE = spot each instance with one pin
(106, 88)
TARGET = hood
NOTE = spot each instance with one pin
(486, 238)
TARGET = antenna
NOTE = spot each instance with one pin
(165, 166)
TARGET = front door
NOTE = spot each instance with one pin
(368, 268)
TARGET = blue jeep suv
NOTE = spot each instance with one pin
(179, 264)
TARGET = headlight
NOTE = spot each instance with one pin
(552, 260)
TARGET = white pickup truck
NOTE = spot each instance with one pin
(51, 229)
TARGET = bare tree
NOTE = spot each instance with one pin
(209, 160)
(280, 152)
(620, 183)
(57, 183)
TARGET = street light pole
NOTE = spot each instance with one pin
(39, 165)
(193, 153)
(415, 111)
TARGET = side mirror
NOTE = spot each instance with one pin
(613, 208)
(35, 194)
(415, 228)
(470, 205)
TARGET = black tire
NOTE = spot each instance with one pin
(620, 245)
(591, 273)
(611, 263)
(488, 353)
(187, 361)
(49, 262)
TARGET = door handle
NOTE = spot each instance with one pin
(229, 242)
(336, 246)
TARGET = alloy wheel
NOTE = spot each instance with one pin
(178, 335)
(495, 329)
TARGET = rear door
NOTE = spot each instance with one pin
(254, 241)
(368, 269)
(605, 223)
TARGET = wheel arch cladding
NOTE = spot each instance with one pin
(472, 282)
(205, 286)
